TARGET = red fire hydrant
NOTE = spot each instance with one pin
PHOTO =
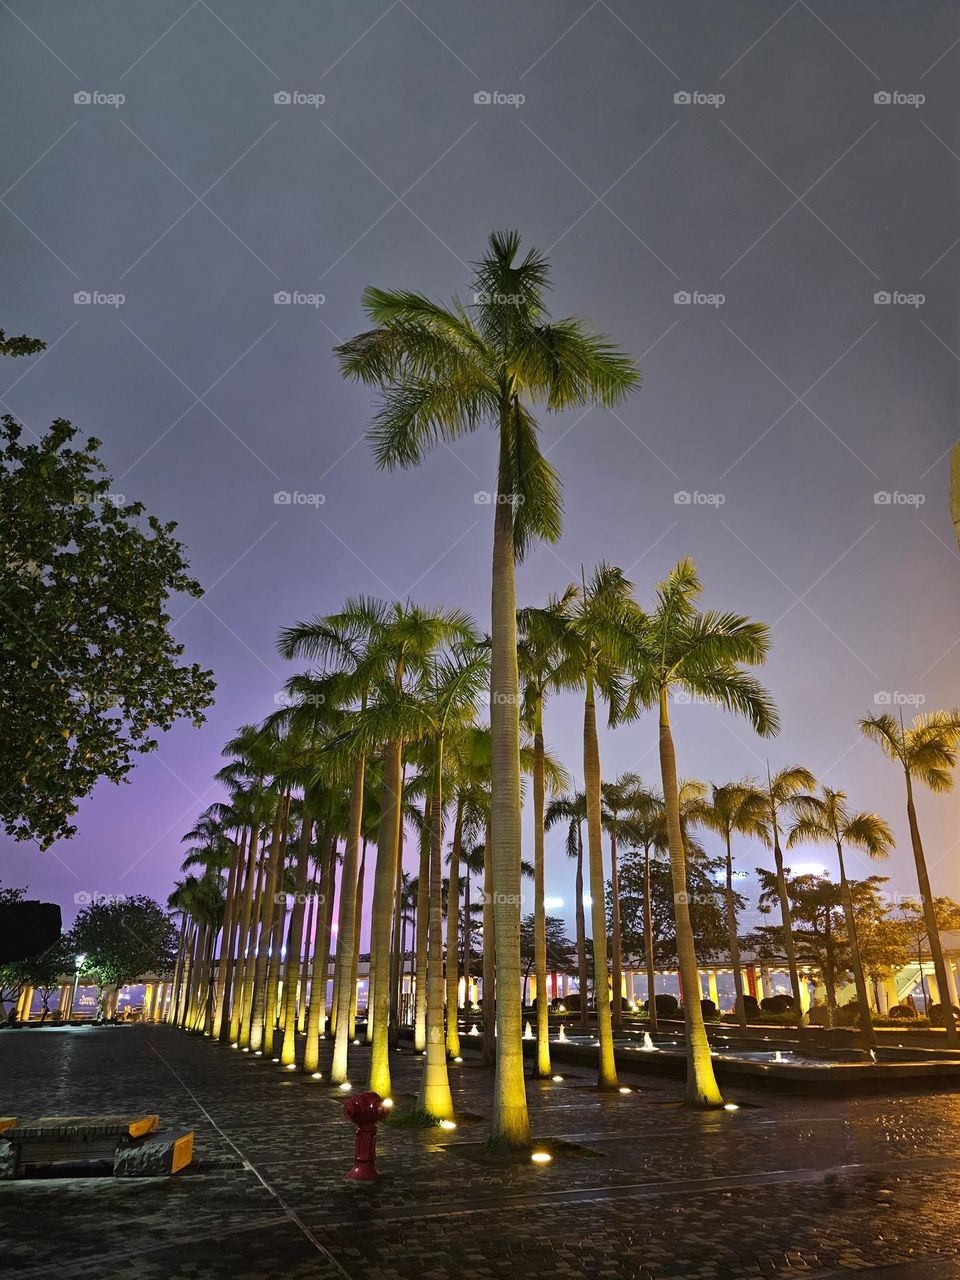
(366, 1111)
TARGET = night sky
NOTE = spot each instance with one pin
(781, 186)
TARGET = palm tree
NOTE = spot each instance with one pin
(457, 681)
(735, 807)
(648, 831)
(701, 654)
(349, 639)
(927, 751)
(442, 371)
(619, 799)
(825, 819)
(573, 809)
(782, 789)
(539, 650)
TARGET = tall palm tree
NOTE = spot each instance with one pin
(619, 801)
(825, 819)
(539, 650)
(573, 810)
(927, 751)
(701, 654)
(782, 789)
(596, 647)
(350, 641)
(456, 683)
(442, 371)
(735, 808)
(648, 830)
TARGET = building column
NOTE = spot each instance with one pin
(951, 982)
(712, 987)
(25, 1004)
(751, 975)
(933, 991)
(149, 993)
(804, 993)
(882, 996)
(631, 987)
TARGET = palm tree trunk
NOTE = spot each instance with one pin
(734, 941)
(397, 942)
(652, 1022)
(379, 991)
(467, 940)
(170, 1014)
(435, 1098)
(453, 914)
(702, 1088)
(423, 929)
(539, 889)
(252, 953)
(787, 924)
(489, 958)
(607, 1065)
(581, 934)
(291, 977)
(309, 941)
(860, 981)
(616, 939)
(510, 1121)
(355, 968)
(346, 934)
(930, 919)
(230, 911)
(272, 996)
(316, 1016)
(246, 905)
(274, 876)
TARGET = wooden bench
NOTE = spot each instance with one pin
(131, 1145)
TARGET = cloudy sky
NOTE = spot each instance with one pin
(757, 199)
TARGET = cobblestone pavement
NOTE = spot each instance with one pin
(645, 1189)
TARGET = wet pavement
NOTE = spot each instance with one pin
(641, 1188)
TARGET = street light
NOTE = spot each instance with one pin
(76, 981)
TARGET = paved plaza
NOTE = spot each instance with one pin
(640, 1186)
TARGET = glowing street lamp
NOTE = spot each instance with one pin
(76, 980)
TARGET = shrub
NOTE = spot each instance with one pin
(780, 1003)
(902, 1013)
(750, 1006)
(936, 1014)
(667, 1006)
(710, 1011)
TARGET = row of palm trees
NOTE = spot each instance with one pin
(397, 688)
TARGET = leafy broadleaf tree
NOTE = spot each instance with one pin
(122, 939)
(442, 371)
(89, 669)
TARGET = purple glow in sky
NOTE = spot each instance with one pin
(750, 199)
